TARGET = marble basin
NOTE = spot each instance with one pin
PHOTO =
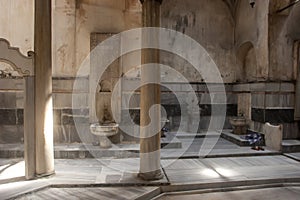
(239, 125)
(103, 132)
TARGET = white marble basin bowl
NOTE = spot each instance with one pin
(104, 130)
(238, 121)
(239, 125)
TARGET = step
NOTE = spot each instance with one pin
(236, 139)
(72, 151)
(170, 142)
(289, 146)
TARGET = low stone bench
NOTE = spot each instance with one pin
(273, 136)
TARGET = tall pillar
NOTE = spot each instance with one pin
(150, 96)
(43, 89)
(29, 132)
(297, 74)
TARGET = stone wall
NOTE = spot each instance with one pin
(75, 20)
(270, 102)
(281, 43)
(73, 23)
(208, 22)
(261, 33)
(253, 48)
(11, 110)
(251, 41)
(12, 104)
(17, 23)
(177, 100)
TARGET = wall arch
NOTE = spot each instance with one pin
(247, 62)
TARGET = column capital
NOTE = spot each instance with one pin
(160, 1)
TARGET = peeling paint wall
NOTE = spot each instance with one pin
(108, 16)
(16, 23)
(210, 23)
(252, 26)
(284, 30)
(73, 21)
(64, 31)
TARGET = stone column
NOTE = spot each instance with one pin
(43, 89)
(150, 96)
(29, 132)
(297, 76)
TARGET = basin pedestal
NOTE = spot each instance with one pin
(239, 125)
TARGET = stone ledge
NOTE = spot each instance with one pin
(236, 139)
(290, 146)
(82, 151)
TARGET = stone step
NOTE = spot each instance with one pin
(72, 151)
(289, 146)
(239, 139)
(295, 156)
(236, 139)
(195, 135)
(170, 143)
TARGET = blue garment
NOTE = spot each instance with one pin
(164, 129)
(254, 138)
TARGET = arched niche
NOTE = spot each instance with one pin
(247, 62)
(24, 66)
(293, 28)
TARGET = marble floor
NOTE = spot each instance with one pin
(200, 163)
(191, 147)
(181, 175)
(290, 193)
(108, 193)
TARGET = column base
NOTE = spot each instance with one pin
(151, 176)
(45, 175)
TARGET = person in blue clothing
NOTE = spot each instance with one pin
(255, 139)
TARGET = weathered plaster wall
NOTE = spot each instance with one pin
(64, 31)
(252, 26)
(281, 41)
(293, 27)
(73, 22)
(262, 36)
(16, 23)
(210, 23)
(262, 43)
(16, 26)
(85, 17)
(108, 16)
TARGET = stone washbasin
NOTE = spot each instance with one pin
(103, 132)
(239, 125)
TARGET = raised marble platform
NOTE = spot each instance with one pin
(290, 146)
(270, 192)
(170, 141)
(295, 156)
(79, 150)
(236, 139)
